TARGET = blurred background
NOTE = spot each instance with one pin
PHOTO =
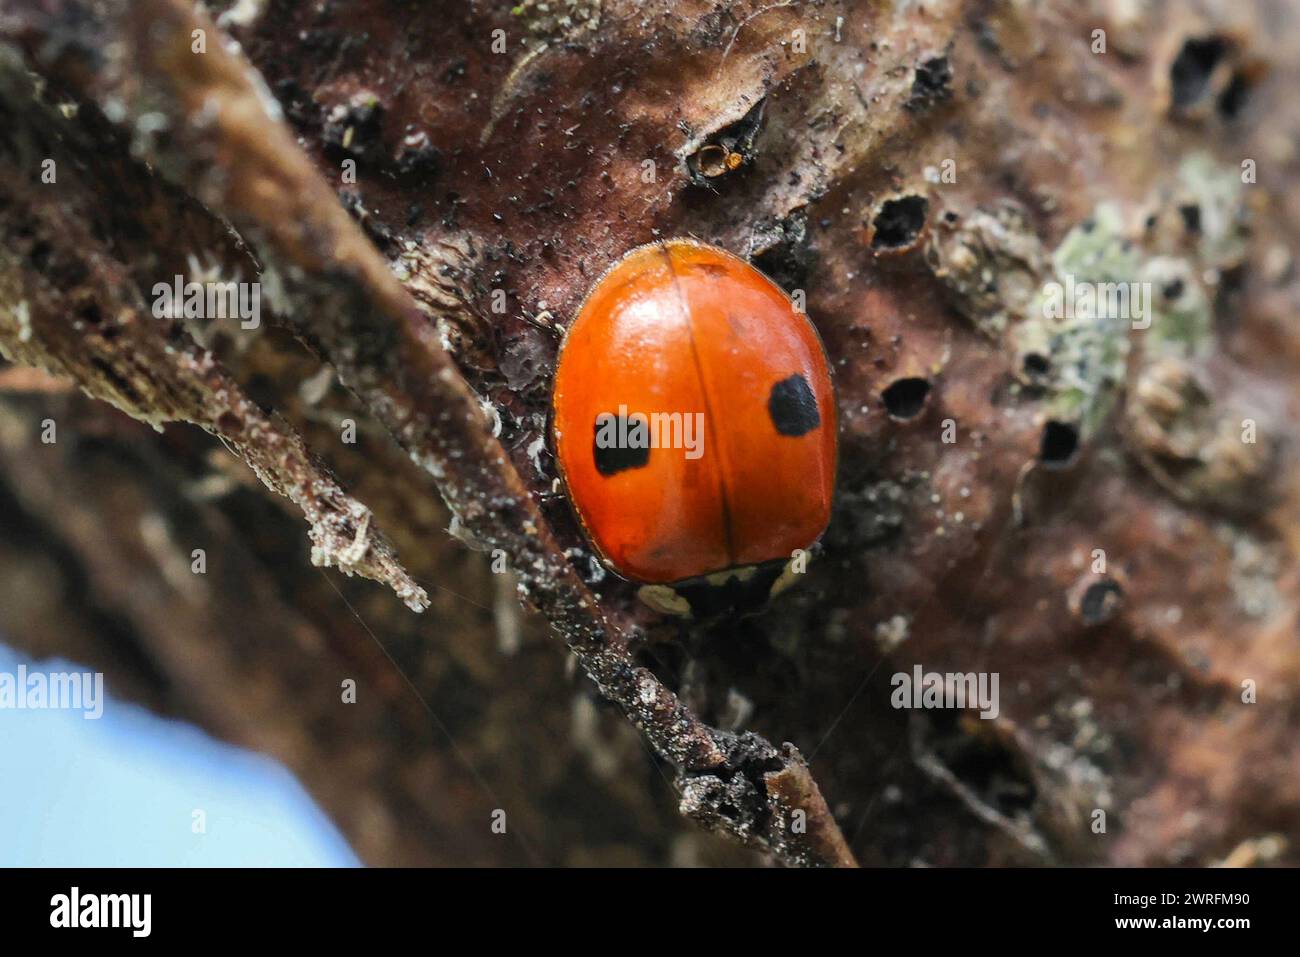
(123, 791)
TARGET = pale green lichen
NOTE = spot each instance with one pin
(1073, 315)
(1183, 316)
(1214, 192)
(1080, 319)
(1106, 292)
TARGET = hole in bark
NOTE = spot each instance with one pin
(931, 83)
(728, 150)
(905, 398)
(1060, 444)
(898, 222)
(1192, 69)
(713, 159)
(1036, 365)
(995, 773)
(1232, 99)
(1100, 601)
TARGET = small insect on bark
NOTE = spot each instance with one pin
(694, 424)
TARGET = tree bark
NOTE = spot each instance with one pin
(1095, 502)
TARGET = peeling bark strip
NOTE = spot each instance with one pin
(205, 123)
(95, 328)
(165, 377)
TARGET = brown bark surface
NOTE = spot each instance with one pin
(1102, 512)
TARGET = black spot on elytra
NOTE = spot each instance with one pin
(793, 407)
(612, 459)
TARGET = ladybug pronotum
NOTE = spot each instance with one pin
(694, 424)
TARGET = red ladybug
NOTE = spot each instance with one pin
(694, 424)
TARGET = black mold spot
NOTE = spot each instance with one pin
(1192, 70)
(793, 407)
(905, 398)
(610, 460)
(898, 222)
(1060, 444)
(931, 84)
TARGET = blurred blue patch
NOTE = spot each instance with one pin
(122, 791)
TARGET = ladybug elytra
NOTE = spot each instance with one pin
(694, 424)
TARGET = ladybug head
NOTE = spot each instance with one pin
(728, 593)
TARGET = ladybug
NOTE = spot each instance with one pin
(694, 425)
